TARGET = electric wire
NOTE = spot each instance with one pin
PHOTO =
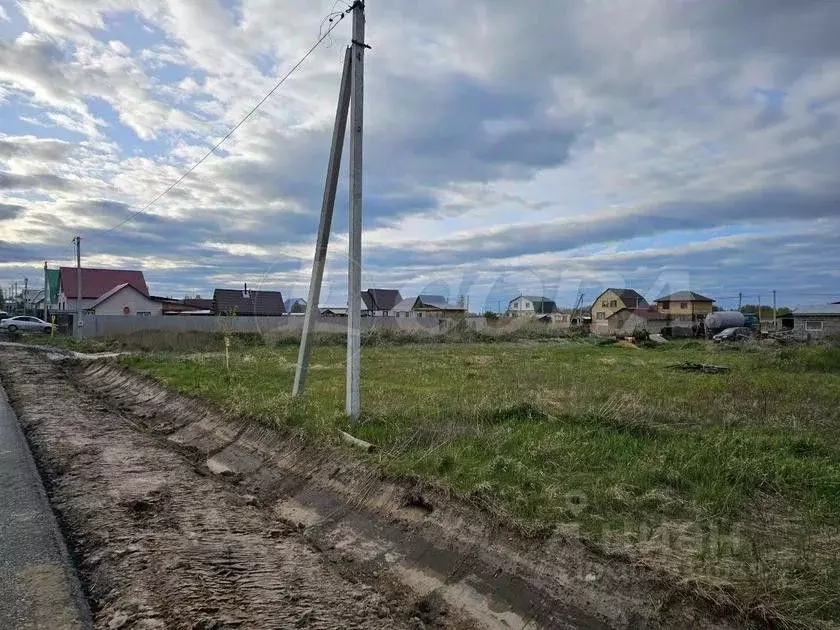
(334, 23)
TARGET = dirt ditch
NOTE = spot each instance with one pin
(179, 517)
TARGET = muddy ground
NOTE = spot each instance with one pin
(180, 518)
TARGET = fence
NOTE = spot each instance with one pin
(109, 325)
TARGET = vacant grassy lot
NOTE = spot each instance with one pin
(731, 479)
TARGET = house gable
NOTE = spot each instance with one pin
(613, 300)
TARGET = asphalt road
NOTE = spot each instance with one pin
(38, 587)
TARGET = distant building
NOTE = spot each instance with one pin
(296, 306)
(816, 322)
(428, 306)
(612, 301)
(630, 320)
(380, 302)
(53, 284)
(685, 305)
(530, 306)
(246, 302)
(174, 306)
(201, 304)
(125, 300)
(95, 284)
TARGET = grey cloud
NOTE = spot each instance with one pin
(10, 211)
(45, 150)
(765, 206)
(35, 183)
(806, 28)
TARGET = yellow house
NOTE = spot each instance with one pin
(685, 305)
(610, 302)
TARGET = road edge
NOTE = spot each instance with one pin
(51, 524)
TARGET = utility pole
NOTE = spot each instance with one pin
(759, 313)
(774, 309)
(77, 329)
(354, 288)
(740, 299)
(46, 293)
(25, 295)
(327, 206)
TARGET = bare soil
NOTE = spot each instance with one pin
(180, 518)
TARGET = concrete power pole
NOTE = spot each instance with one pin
(46, 293)
(77, 329)
(774, 309)
(327, 206)
(354, 288)
(740, 300)
(25, 296)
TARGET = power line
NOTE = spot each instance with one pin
(186, 174)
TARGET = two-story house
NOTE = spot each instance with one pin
(685, 305)
(530, 305)
(611, 302)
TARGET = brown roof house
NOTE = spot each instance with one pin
(380, 302)
(611, 302)
(95, 284)
(685, 305)
(248, 302)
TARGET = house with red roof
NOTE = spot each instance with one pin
(95, 284)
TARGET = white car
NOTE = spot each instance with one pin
(25, 322)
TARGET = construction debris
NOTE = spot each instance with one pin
(365, 446)
(700, 367)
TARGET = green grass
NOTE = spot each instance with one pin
(733, 478)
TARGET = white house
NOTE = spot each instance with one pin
(124, 299)
(530, 305)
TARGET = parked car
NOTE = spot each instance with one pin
(733, 334)
(25, 323)
(3, 315)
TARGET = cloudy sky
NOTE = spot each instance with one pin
(537, 146)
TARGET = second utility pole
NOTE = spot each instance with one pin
(77, 328)
(354, 284)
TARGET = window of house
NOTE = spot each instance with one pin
(665, 306)
(683, 305)
(147, 313)
(605, 303)
(613, 303)
(527, 305)
(813, 326)
(600, 315)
